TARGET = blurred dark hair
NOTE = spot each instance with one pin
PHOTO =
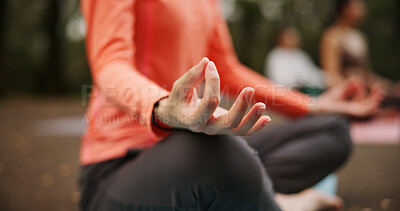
(280, 30)
(340, 5)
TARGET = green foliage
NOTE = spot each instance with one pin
(37, 57)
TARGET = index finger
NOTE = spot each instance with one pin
(190, 79)
(211, 97)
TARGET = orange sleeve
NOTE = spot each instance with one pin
(110, 48)
(235, 76)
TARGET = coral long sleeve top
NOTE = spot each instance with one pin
(137, 49)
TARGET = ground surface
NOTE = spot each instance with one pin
(39, 149)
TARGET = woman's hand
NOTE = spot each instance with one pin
(184, 109)
(350, 98)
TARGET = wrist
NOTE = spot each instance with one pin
(159, 115)
(314, 106)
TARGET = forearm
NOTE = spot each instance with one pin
(128, 89)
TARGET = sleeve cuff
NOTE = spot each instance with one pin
(150, 121)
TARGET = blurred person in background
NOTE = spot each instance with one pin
(153, 143)
(290, 66)
(344, 51)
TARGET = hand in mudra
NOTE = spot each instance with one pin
(184, 109)
(350, 98)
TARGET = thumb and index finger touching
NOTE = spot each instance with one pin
(205, 70)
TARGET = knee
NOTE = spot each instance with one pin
(188, 163)
(338, 129)
(224, 162)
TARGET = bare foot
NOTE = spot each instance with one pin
(308, 200)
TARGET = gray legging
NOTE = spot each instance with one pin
(192, 171)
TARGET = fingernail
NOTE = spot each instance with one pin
(202, 63)
(260, 110)
(247, 96)
(211, 66)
